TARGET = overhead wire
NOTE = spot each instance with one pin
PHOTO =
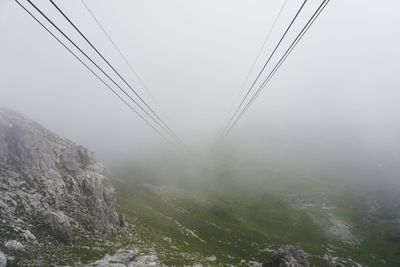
(119, 75)
(259, 52)
(94, 17)
(92, 71)
(263, 68)
(280, 62)
(170, 132)
(94, 63)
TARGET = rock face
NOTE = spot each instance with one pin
(288, 256)
(50, 185)
(58, 225)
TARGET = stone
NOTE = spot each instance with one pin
(58, 224)
(14, 245)
(101, 263)
(127, 258)
(3, 260)
(288, 256)
(28, 235)
(121, 256)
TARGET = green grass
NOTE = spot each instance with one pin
(237, 220)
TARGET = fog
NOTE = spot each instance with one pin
(332, 106)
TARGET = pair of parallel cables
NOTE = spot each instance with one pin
(243, 108)
(149, 116)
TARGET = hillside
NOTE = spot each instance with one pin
(57, 204)
(59, 207)
(222, 218)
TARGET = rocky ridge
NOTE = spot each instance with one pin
(51, 190)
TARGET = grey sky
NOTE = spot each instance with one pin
(340, 85)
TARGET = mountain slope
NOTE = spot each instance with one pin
(243, 219)
(52, 191)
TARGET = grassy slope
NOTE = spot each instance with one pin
(237, 221)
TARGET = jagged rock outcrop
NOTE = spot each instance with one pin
(49, 186)
(58, 225)
(288, 256)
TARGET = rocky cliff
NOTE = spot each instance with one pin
(51, 189)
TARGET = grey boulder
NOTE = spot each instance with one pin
(14, 245)
(288, 256)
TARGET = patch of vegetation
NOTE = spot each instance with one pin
(188, 222)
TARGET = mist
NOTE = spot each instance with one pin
(331, 108)
(308, 176)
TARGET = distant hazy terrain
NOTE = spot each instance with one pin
(220, 213)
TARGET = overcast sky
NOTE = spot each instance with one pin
(340, 86)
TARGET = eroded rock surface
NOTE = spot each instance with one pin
(50, 188)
